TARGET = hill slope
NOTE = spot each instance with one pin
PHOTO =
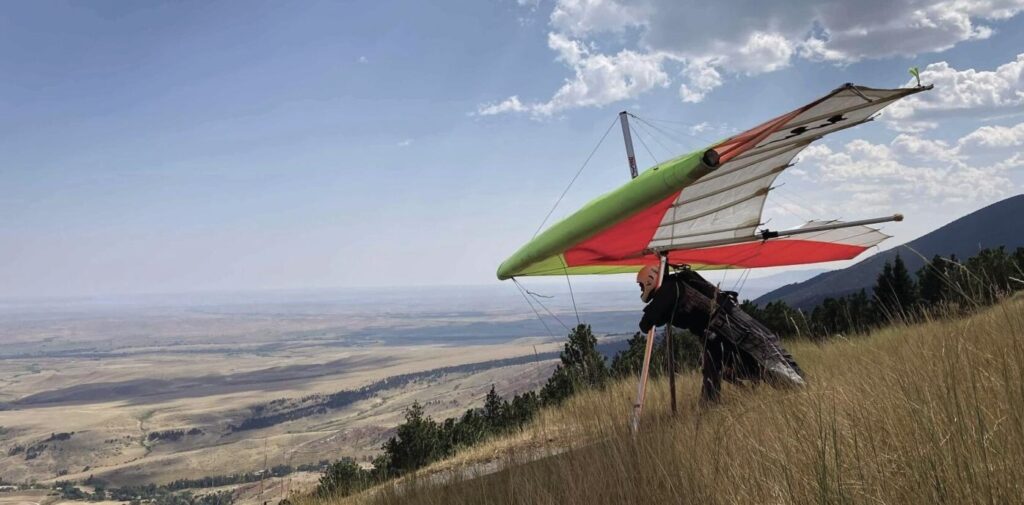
(911, 414)
(998, 224)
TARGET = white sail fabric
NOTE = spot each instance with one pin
(857, 236)
(726, 204)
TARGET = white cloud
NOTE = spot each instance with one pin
(510, 104)
(912, 146)
(853, 32)
(583, 17)
(960, 92)
(909, 168)
(1013, 162)
(701, 127)
(994, 136)
(405, 143)
(599, 79)
(363, 59)
(714, 42)
(762, 52)
(702, 77)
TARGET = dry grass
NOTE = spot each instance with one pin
(928, 413)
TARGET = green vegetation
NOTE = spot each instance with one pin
(175, 492)
(420, 440)
(283, 410)
(944, 288)
(135, 495)
(172, 435)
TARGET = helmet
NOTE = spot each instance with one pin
(647, 278)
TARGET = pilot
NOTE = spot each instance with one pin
(735, 346)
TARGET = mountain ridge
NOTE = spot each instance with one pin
(998, 224)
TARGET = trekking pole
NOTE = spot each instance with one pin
(641, 388)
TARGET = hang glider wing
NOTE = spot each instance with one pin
(704, 208)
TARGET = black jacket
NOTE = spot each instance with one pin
(688, 301)
(691, 298)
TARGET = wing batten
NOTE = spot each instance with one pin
(732, 186)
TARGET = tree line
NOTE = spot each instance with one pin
(283, 410)
(943, 286)
(169, 494)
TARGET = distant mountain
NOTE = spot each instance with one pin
(753, 288)
(999, 224)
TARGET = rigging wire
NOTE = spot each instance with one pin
(804, 213)
(565, 268)
(536, 294)
(681, 123)
(571, 182)
(742, 281)
(667, 130)
(670, 151)
(648, 149)
(537, 363)
(671, 136)
(522, 291)
(546, 309)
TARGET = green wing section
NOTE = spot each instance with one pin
(545, 253)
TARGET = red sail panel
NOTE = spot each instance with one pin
(624, 240)
(772, 253)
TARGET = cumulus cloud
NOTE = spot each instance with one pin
(701, 78)
(908, 168)
(765, 36)
(510, 104)
(599, 79)
(853, 32)
(960, 92)
(584, 17)
(994, 136)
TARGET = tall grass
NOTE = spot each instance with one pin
(925, 413)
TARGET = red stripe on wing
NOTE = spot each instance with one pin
(628, 239)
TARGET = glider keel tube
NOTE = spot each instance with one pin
(653, 185)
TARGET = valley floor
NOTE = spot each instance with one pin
(924, 413)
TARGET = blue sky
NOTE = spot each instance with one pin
(186, 146)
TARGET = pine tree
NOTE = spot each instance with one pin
(582, 366)
(859, 307)
(342, 479)
(558, 387)
(416, 443)
(494, 411)
(933, 282)
(991, 269)
(523, 408)
(895, 291)
(685, 346)
(628, 361)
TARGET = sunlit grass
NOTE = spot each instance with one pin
(925, 413)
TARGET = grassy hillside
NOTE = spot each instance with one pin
(928, 413)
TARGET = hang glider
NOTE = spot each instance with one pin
(703, 209)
